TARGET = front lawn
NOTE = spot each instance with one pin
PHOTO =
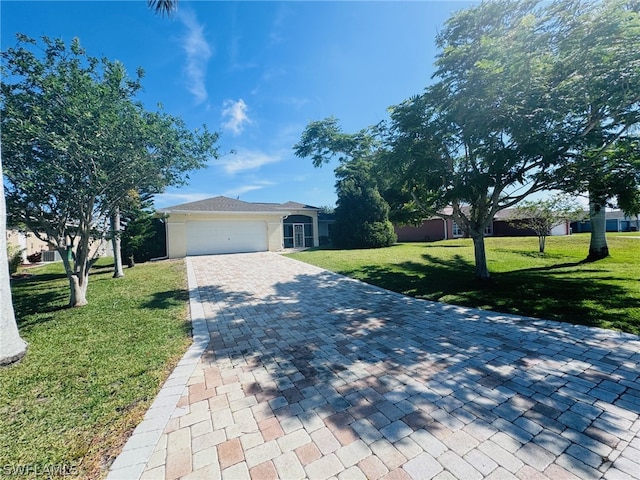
(556, 286)
(90, 373)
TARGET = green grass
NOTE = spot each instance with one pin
(90, 373)
(558, 285)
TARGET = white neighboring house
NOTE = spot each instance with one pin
(226, 225)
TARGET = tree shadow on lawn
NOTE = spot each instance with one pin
(35, 302)
(543, 292)
(364, 359)
(166, 299)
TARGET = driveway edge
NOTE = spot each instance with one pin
(135, 455)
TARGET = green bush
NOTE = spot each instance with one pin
(379, 234)
(14, 255)
(365, 235)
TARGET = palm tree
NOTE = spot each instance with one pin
(12, 347)
(163, 7)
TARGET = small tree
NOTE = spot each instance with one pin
(542, 216)
(75, 144)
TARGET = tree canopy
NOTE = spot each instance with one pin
(527, 96)
(477, 139)
(543, 215)
(595, 78)
(75, 143)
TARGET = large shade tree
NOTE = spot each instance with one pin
(75, 143)
(477, 140)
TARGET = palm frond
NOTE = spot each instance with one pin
(163, 7)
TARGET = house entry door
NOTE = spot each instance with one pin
(298, 235)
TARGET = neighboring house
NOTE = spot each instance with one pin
(30, 244)
(226, 225)
(616, 220)
(27, 242)
(437, 228)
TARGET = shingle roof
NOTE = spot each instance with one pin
(226, 204)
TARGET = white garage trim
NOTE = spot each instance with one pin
(206, 237)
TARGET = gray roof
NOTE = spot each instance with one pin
(226, 204)
(619, 215)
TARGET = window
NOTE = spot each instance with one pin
(288, 235)
(457, 231)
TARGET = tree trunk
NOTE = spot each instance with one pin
(482, 271)
(78, 289)
(12, 347)
(116, 243)
(77, 275)
(542, 239)
(598, 248)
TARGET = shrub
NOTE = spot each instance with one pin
(14, 255)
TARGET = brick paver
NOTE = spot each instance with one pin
(296, 372)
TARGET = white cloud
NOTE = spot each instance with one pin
(163, 200)
(236, 115)
(198, 53)
(236, 192)
(246, 160)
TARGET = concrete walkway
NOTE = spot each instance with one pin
(296, 372)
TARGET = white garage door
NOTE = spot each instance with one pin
(220, 236)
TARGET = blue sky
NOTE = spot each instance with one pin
(258, 72)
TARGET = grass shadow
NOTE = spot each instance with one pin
(544, 292)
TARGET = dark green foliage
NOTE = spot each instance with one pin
(143, 238)
(14, 255)
(362, 215)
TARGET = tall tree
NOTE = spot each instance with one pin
(595, 85)
(476, 141)
(75, 143)
(12, 347)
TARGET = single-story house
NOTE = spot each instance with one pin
(616, 221)
(437, 228)
(227, 225)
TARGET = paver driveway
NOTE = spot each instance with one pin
(297, 372)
